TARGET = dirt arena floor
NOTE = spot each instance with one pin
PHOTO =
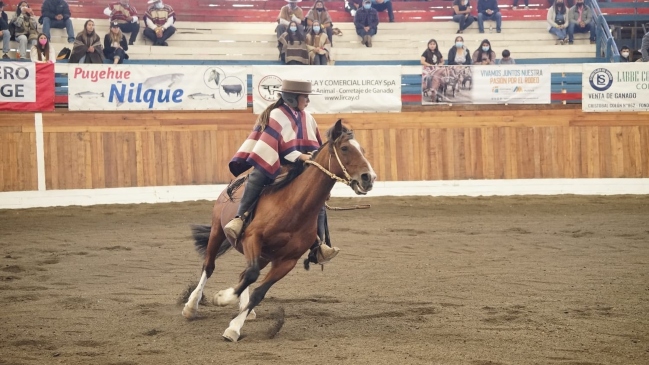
(477, 281)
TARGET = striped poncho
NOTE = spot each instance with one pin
(289, 133)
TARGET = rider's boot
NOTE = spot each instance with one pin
(254, 186)
(322, 253)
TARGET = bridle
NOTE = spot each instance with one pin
(347, 180)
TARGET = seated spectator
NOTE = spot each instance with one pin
(383, 5)
(488, 10)
(507, 58)
(581, 21)
(115, 45)
(294, 49)
(644, 48)
(290, 13)
(459, 54)
(124, 14)
(462, 14)
(366, 22)
(159, 20)
(515, 6)
(320, 14)
(318, 45)
(43, 51)
(352, 6)
(4, 31)
(558, 21)
(625, 54)
(484, 55)
(26, 28)
(432, 56)
(56, 14)
(87, 46)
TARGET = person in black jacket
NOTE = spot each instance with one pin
(459, 54)
(115, 45)
(4, 31)
(56, 14)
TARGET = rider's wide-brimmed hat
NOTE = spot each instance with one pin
(297, 87)
(152, 1)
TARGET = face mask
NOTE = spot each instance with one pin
(316, 29)
(292, 5)
(320, 9)
(485, 49)
(44, 42)
(159, 5)
(367, 6)
(293, 29)
(459, 44)
(625, 54)
(580, 5)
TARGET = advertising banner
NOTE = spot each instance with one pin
(156, 87)
(344, 89)
(614, 87)
(498, 84)
(26, 86)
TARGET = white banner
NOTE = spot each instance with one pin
(612, 87)
(156, 87)
(345, 89)
(499, 84)
(17, 82)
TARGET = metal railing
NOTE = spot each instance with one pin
(605, 46)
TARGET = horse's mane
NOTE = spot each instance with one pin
(295, 169)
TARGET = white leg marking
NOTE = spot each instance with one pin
(225, 297)
(233, 332)
(243, 303)
(191, 307)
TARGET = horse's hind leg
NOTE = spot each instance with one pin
(216, 239)
(277, 272)
(252, 251)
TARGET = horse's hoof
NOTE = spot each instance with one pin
(231, 335)
(251, 315)
(225, 297)
(189, 312)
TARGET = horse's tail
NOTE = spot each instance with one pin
(201, 234)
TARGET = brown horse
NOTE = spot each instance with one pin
(284, 227)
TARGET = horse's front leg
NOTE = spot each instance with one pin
(278, 270)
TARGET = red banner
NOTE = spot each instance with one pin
(26, 86)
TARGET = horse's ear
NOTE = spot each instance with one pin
(337, 129)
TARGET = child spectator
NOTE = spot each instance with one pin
(124, 14)
(87, 46)
(4, 31)
(488, 10)
(625, 54)
(43, 51)
(56, 14)
(462, 14)
(320, 14)
(459, 54)
(507, 58)
(432, 56)
(159, 20)
(484, 55)
(294, 50)
(366, 22)
(383, 5)
(115, 45)
(318, 45)
(558, 21)
(26, 28)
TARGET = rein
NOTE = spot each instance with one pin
(347, 180)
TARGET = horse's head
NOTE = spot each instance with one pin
(352, 164)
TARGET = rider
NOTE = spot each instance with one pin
(284, 133)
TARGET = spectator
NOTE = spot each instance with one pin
(26, 28)
(320, 14)
(507, 58)
(581, 18)
(625, 54)
(87, 46)
(115, 45)
(294, 49)
(459, 54)
(558, 21)
(126, 16)
(318, 45)
(644, 48)
(488, 10)
(462, 14)
(366, 22)
(484, 55)
(352, 6)
(432, 56)
(43, 51)
(56, 14)
(383, 5)
(159, 20)
(515, 6)
(4, 31)
(290, 13)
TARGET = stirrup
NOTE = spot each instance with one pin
(233, 228)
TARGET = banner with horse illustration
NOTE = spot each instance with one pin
(498, 84)
(156, 87)
(343, 89)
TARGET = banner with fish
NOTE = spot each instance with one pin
(343, 89)
(156, 87)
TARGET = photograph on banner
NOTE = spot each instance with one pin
(614, 87)
(157, 87)
(343, 89)
(17, 82)
(506, 84)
